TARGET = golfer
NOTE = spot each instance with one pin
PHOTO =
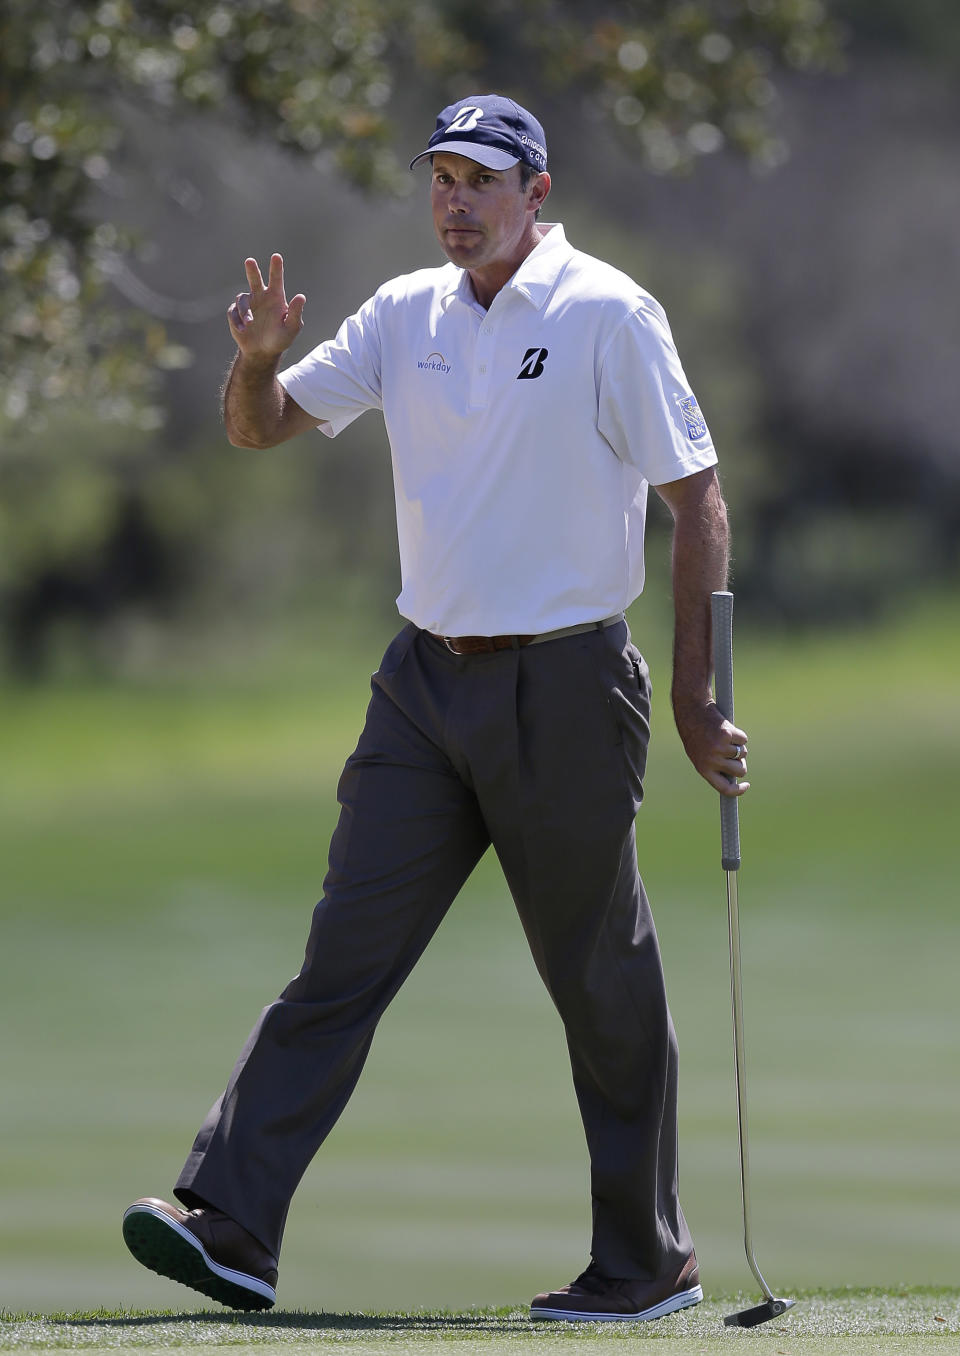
(531, 396)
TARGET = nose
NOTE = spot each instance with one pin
(457, 201)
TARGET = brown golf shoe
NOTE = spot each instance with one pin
(595, 1298)
(204, 1249)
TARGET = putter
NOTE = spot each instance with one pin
(772, 1307)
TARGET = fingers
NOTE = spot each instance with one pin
(254, 277)
(728, 783)
(242, 308)
(274, 283)
(294, 316)
(730, 786)
(730, 751)
(729, 777)
(275, 280)
(261, 320)
(239, 314)
(715, 746)
(733, 735)
(273, 290)
(735, 764)
(732, 746)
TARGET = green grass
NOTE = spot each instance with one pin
(162, 848)
(851, 1322)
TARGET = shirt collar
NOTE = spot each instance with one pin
(534, 279)
(537, 275)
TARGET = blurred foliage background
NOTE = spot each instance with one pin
(782, 175)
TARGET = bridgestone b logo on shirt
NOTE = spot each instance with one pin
(532, 364)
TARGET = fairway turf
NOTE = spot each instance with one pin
(162, 849)
(847, 1323)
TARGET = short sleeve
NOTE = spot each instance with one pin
(647, 411)
(340, 378)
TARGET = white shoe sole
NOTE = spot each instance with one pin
(166, 1247)
(684, 1299)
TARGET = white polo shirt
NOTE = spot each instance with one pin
(523, 437)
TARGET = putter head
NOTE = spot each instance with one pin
(750, 1318)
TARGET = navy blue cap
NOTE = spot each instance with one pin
(492, 130)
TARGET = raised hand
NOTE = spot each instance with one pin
(262, 321)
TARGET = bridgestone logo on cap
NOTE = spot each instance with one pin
(466, 120)
(498, 124)
(533, 147)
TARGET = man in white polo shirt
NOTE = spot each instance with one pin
(531, 396)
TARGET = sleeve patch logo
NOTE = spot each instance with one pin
(692, 418)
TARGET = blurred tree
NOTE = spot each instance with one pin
(930, 29)
(676, 80)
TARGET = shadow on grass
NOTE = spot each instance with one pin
(507, 1320)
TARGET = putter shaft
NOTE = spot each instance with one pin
(722, 619)
(736, 996)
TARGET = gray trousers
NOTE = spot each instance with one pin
(541, 752)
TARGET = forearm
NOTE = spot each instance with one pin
(700, 566)
(253, 402)
(714, 745)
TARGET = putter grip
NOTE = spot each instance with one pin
(722, 608)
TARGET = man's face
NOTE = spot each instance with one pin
(480, 215)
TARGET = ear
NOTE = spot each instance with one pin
(538, 190)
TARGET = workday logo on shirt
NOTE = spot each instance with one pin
(434, 362)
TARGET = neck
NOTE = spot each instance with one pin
(488, 280)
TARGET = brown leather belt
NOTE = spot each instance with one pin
(490, 644)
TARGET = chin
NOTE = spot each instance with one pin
(458, 255)
(472, 245)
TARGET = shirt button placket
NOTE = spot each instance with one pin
(483, 362)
